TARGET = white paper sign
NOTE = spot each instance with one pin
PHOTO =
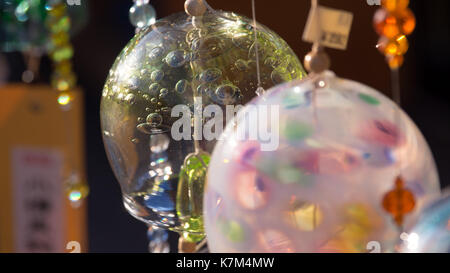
(330, 27)
(38, 200)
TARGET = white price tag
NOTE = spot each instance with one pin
(330, 27)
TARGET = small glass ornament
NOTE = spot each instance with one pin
(310, 166)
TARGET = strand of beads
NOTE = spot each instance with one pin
(63, 80)
(142, 14)
(393, 22)
(61, 51)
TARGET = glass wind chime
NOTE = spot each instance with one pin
(327, 186)
(195, 59)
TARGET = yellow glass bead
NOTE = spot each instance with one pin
(395, 5)
(64, 99)
(77, 192)
(57, 10)
(64, 67)
(59, 39)
(60, 24)
(395, 61)
(62, 54)
(63, 83)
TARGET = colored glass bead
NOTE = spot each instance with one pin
(62, 54)
(392, 24)
(385, 24)
(395, 5)
(399, 201)
(407, 21)
(142, 14)
(189, 196)
(60, 24)
(395, 61)
(393, 47)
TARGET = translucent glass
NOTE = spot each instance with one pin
(431, 232)
(341, 147)
(168, 64)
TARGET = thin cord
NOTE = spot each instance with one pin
(396, 96)
(258, 73)
(314, 7)
(395, 85)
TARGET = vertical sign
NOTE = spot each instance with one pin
(35, 213)
(38, 210)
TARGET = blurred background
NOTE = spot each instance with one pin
(107, 30)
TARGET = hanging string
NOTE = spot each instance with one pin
(259, 91)
(317, 60)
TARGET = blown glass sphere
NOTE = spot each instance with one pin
(431, 232)
(194, 63)
(312, 167)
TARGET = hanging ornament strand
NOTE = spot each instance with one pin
(393, 22)
(63, 80)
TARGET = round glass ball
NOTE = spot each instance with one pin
(193, 62)
(315, 180)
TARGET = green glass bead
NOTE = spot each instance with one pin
(191, 185)
(62, 54)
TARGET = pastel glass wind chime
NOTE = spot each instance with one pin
(182, 64)
(350, 168)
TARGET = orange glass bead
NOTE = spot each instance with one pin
(399, 201)
(407, 21)
(392, 24)
(395, 61)
(403, 44)
(395, 47)
(395, 5)
(386, 24)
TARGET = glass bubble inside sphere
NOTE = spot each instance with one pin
(176, 62)
(312, 176)
(431, 232)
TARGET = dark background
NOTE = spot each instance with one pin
(423, 79)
